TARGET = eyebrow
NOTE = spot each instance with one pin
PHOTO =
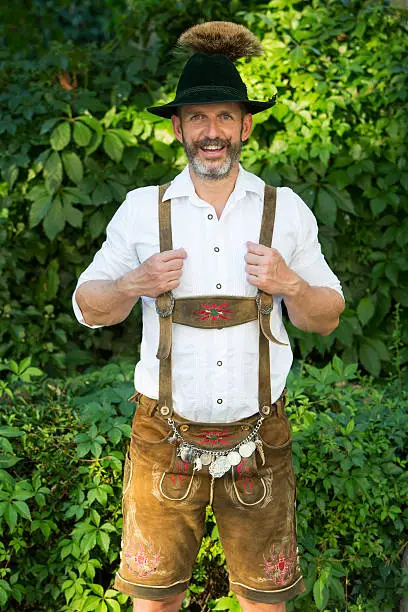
(198, 112)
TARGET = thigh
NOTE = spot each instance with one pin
(163, 507)
(255, 509)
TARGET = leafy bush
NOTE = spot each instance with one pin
(76, 139)
(62, 447)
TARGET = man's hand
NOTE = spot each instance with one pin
(267, 270)
(158, 274)
(312, 309)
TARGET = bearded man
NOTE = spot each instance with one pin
(211, 255)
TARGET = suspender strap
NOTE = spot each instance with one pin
(164, 307)
(265, 303)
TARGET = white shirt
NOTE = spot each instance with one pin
(210, 365)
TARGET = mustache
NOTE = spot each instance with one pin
(214, 142)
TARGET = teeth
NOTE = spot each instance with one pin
(210, 148)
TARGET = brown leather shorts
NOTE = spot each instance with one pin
(164, 507)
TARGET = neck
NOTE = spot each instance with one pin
(216, 192)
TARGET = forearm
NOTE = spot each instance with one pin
(105, 302)
(314, 309)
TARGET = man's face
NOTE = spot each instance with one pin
(212, 136)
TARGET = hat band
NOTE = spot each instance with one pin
(211, 89)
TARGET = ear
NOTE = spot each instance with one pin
(246, 127)
(176, 123)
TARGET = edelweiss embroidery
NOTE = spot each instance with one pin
(244, 482)
(280, 566)
(177, 479)
(215, 436)
(213, 312)
(143, 561)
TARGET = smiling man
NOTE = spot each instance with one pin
(212, 256)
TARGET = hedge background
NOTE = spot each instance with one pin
(76, 138)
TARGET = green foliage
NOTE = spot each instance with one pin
(62, 449)
(76, 139)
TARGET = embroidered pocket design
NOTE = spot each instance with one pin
(281, 564)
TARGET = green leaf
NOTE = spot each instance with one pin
(11, 432)
(320, 594)
(39, 209)
(97, 224)
(369, 358)
(377, 205)
(91, 603)
(82, 134)
(54, 222)
(72, 215)
(73, 166)
(113, 605)
(22, 509)
(365, 310)
(7, 461)
(103, 541)
(10, 515)
(162, 150)
(342, 198)
(53, 172)
(49, 124)
(326, 207)
(11, 175)
(113, 146)
(52, 279)
(61, 136)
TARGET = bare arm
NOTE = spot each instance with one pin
(312, 309)
(106, 302)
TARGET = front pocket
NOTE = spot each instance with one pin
(275, 432)
(175, 483)
(249, 486)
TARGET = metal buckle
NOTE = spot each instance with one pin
(265, 310)
(165, 313)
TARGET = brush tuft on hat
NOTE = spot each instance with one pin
(223, 38)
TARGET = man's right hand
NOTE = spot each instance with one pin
(159, 273)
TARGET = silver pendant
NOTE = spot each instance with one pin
(219, 467)
(234, 458)
(198, 464)
(246, 450)
(186, 453)
(206, 459)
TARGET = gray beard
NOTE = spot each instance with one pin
(209, 171)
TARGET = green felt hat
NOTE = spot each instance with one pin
(210, 75)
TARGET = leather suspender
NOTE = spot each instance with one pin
(165, 305)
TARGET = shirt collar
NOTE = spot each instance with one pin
(182, 185)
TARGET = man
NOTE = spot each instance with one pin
(210, 426)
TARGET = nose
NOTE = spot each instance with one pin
(211, 131)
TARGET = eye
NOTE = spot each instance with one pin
(196, 117)
(226, 116)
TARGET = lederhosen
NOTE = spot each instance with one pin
(206, 312)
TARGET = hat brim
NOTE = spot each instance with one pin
(209, 96)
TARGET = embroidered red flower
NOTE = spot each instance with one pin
(213, 312)
(281, 565)
(142, 561)
(215, 436)
(177, 478)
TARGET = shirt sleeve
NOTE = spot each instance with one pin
(116, 257)
(308, 260)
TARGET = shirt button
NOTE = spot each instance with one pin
(216, 249)
(218, 285)
(210, 217)
(219, 401)
(219, 363)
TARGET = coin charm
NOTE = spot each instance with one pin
(206, 459)
(219, 467)
(234, 458)
(246, 450)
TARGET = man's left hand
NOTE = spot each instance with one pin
(267, 270)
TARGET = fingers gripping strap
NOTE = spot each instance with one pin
(164, 350)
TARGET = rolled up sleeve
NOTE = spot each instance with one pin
(308, 260)
(116, 257)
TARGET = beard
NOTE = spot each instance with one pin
(212, 170)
